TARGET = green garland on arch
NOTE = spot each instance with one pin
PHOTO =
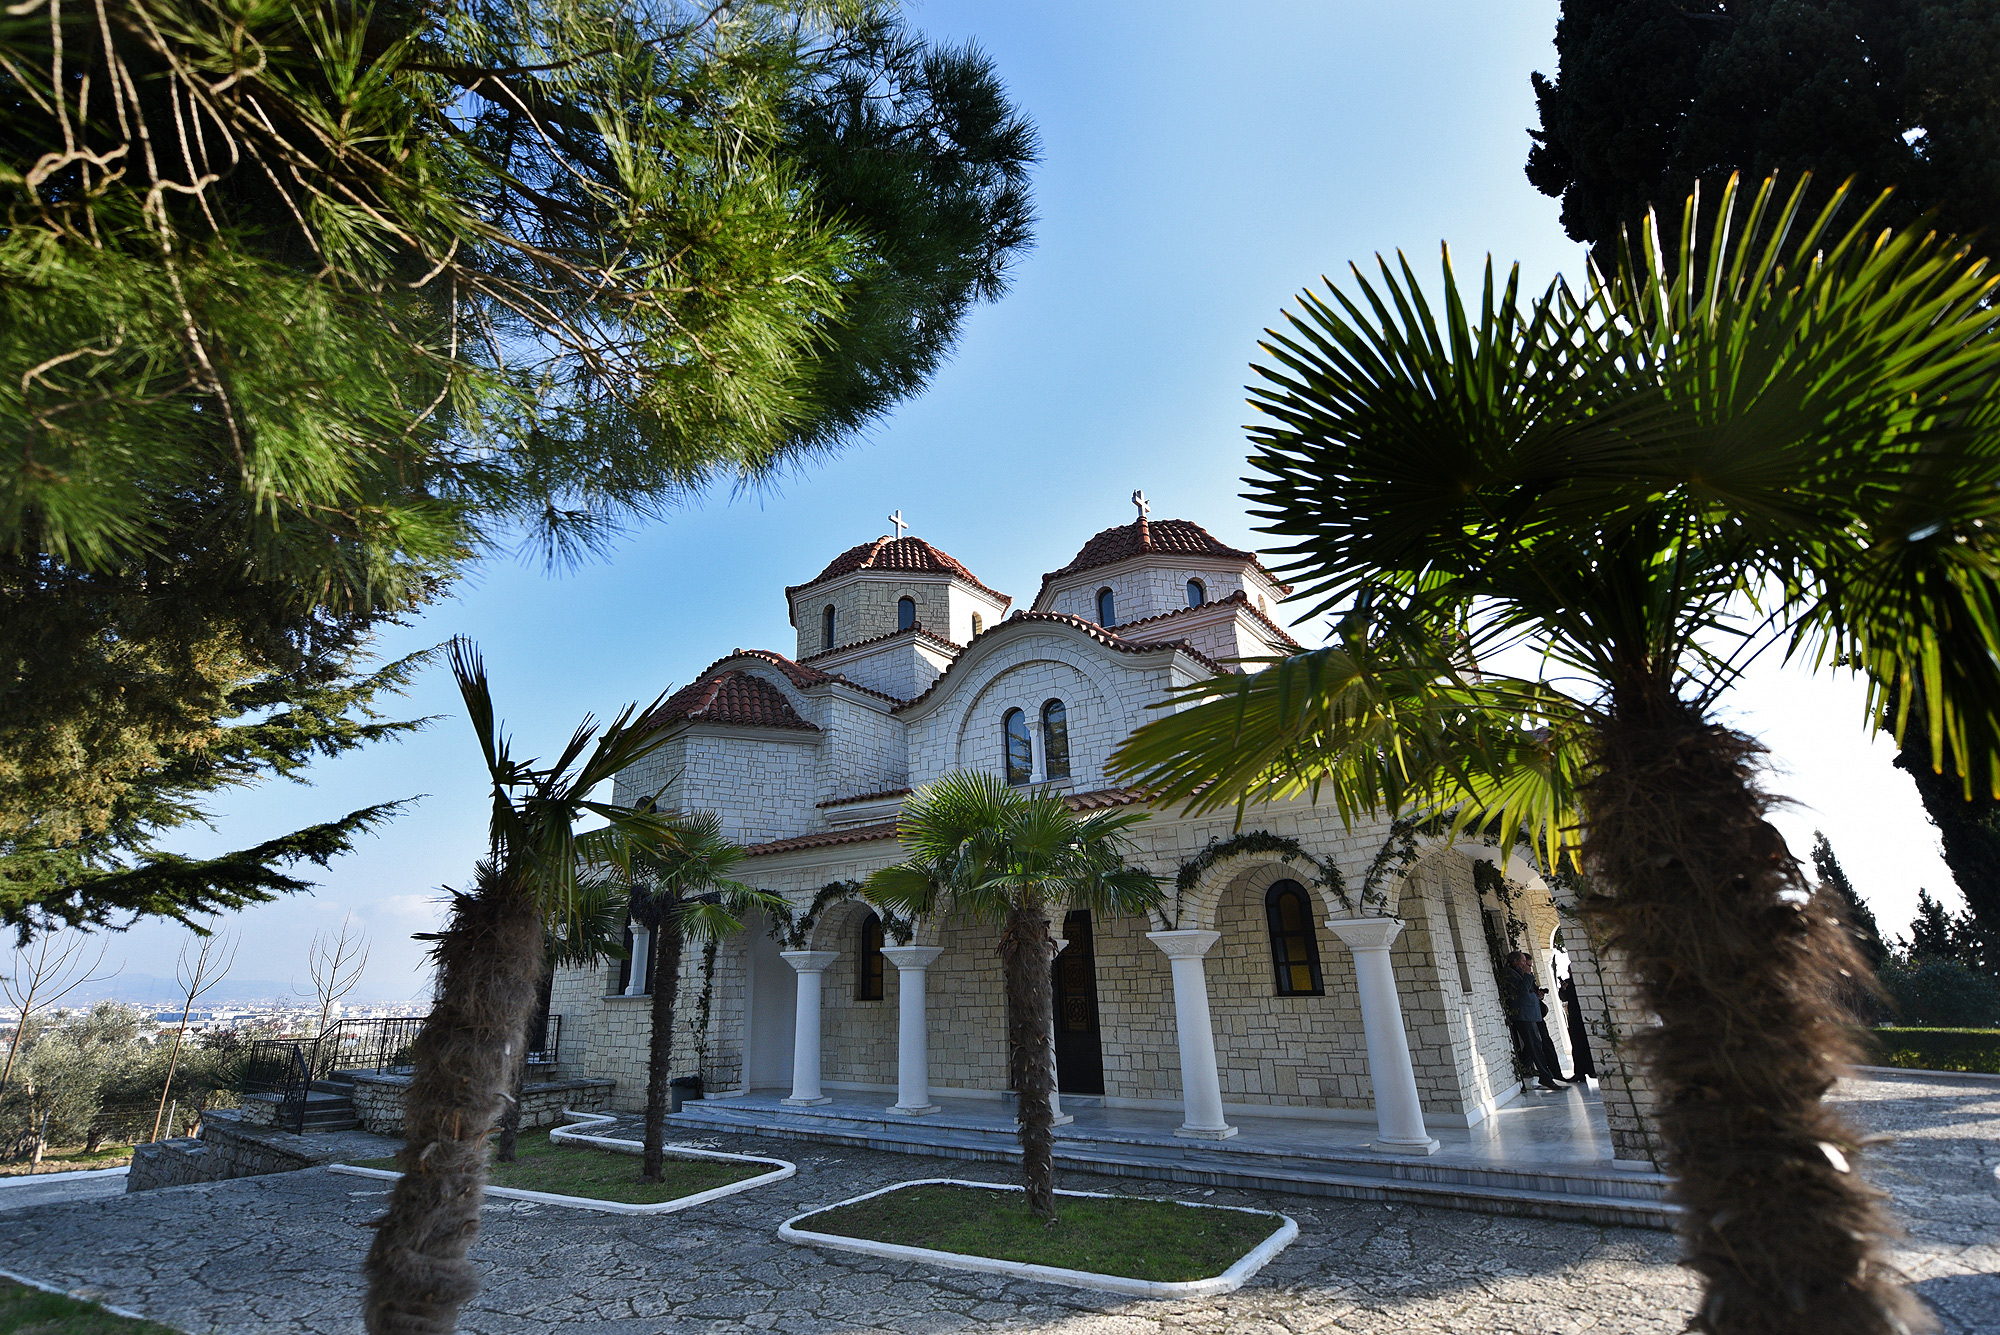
(794, 931)
(1257, 841)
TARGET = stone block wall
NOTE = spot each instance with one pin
(1612, 1013)
(226, 1149)
(379, 1101)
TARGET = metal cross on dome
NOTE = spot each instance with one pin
(897, 520)
(1145, 506)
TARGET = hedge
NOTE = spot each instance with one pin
(1974, 1050)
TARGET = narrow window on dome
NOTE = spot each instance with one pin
(868, 974)
(906, 613)
(1107, 608)
(1055, 740)
(978, 624)
(1294, 948)
(1020, 751)
(826, 628)
(1197, 595)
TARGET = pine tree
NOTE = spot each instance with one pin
(303, 308)
(1827, 869)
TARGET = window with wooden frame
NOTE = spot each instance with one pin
(868, 961)
(1294, 945)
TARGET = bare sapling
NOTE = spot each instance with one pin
(335, 963)
(214, 956)
(46, 970)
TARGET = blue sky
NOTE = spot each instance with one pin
(1201, 163)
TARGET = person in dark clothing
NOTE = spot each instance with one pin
(1524, 1014)
(1579, 1037)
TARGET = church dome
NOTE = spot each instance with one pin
(912, 556)
(1168, 537)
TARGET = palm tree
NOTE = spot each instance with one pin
(490, 958)
(681, 891)
(1004, 855)
(1779, 433)
(591, 929)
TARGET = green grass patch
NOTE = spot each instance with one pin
(71, 1160)
(1131, 1237)
(601, 1175)
(26, 1311)
(1974, 1051)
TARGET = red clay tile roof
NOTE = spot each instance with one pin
(1090, 628)
(1170, 537)
(860, 834)
(731, 697)
(863, 797)
(1237, 597)
(916, 630)
(912, 555)
(799, 675)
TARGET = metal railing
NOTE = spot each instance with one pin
(289, 1067)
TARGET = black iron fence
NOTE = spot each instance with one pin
(289, 1067)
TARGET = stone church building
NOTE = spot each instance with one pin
(1297, 968)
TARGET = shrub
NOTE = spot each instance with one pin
(1943, 994)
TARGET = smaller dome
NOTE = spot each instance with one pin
(903, 555)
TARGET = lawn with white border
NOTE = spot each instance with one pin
(1235, 1277)
(576, 1135)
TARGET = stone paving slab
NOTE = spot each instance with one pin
(281, 1254)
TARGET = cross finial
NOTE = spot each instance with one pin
(897, 520)
(1145, 506)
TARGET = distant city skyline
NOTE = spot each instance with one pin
(1202, 164)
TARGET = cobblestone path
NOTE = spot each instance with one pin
(280, 1254)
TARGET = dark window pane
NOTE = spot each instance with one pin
(1197, 595)
(1107, 610)
(1055, 740)
(906, 613)
(1294, 947)
(868, 981)
(826, 628)
(1020, 751)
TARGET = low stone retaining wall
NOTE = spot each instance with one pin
(230, 1148)
(378, 1101)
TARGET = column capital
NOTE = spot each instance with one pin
(809, 961)
(912, 957)
(1365, 933)
(1184, 945)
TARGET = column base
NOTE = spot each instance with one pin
(1061, 1119)
(901, 1111)
(1416, 1148)
(806, 1103)
(1206, 1132)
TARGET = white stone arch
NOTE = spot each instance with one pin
(1196, 907)
(992, 679)
(838, 927)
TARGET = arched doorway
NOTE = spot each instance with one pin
(1079, 1046)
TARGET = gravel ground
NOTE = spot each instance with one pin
(281, 1253)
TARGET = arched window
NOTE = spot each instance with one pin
(978, 624)
(1020, 752)
(1055, 741)
(1294, 948)
(1197, 595)
(868, 971)
(826, 628)
(906, 613)
(1107, 608)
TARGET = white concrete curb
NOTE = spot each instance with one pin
(1923, 1071)
(570, 1135)
(78, 1295)
(43, 1179)
(1227, 1282)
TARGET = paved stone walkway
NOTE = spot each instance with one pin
(280, 1253)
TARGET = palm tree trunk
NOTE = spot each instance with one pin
(660, 1048)
(1741, 966)
(489, 962)
(510, 1113)
(1025, 955)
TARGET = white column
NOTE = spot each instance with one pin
(913, 1062)
(1399, 1117)
(1201, 1083)
(811, 966)
(642, 949)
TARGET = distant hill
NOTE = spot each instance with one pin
(142, 989)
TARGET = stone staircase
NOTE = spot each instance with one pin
(1599, 1193)
(329, 1105)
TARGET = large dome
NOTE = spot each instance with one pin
(903, 555)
